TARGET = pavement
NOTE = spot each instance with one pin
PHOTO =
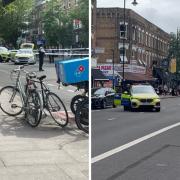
(140, 145)
(47, 152)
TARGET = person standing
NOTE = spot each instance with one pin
(41, 57)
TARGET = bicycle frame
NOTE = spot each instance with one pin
(20, 88)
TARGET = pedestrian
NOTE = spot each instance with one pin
(41, 57)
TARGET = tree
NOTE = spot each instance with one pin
(81, 12)
(57, 25)
(12, 19)
(174, 48)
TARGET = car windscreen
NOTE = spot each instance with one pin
(142, 89)
(99, 92)
(23, 51)
(3, 49)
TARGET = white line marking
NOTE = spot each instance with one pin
(95, 110)
(110, 119)
(70, 90)
(132, 143)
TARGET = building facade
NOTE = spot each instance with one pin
(145, 43)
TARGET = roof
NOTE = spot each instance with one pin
(98, 75)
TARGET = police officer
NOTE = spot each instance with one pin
(41, 57)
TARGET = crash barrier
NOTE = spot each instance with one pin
(66, 52)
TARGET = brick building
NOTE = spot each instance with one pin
(145, 43)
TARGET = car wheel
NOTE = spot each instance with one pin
(158, 109)
(103, 104)
(114, 106)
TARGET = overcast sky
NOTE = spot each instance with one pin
(163, 13)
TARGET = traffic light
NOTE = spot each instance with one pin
(6, 2)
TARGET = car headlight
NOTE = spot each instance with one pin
(135, 99)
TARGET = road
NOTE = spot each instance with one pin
(65, 93)
(140, 145)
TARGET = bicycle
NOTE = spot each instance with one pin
(82, 115)
(18, 99)
(76, 100)
(52, 103)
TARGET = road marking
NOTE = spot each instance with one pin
(132, 143)
(95, 110)
(110, 119)
(70, 90)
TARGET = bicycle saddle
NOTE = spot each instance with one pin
(41, 77)
(31, 75)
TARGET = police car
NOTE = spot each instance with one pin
(140, 96)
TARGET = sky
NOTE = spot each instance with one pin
(163, 13)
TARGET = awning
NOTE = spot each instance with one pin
(137, 77)
(97, 75)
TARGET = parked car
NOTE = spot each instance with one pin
(140, 96)
(27, 46)
(13, 54)
(4, 55)
(25, 56)
(102, 97)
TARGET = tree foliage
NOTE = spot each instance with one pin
(81, 12)
(174, 48)
(58, 23)
(12, 18)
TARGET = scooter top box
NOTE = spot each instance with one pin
(73, 71)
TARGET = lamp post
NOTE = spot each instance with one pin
(124, 23)
(113, 67)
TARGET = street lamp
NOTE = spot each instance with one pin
(113, 68)
(124, 12)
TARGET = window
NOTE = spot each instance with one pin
(146, 39)
(142, 37)
(123, 31)
(123, 52)
(133, 54)
(139, 36)
(134, 34)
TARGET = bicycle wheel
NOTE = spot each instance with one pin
(75, 100)
(33, 108)
(10, 101)
(82, 115)
(57, 109)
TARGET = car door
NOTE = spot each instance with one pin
(110, 97)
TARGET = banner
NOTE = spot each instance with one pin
(108, 68)
(172, 67)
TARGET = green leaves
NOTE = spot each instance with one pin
(12, 19)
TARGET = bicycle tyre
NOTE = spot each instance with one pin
(82, 116)
(33, 108)
(75, 100)
(16, 101)
(58, 112)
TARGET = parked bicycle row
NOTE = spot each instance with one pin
(35, 99)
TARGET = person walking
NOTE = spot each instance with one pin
(41, 57)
